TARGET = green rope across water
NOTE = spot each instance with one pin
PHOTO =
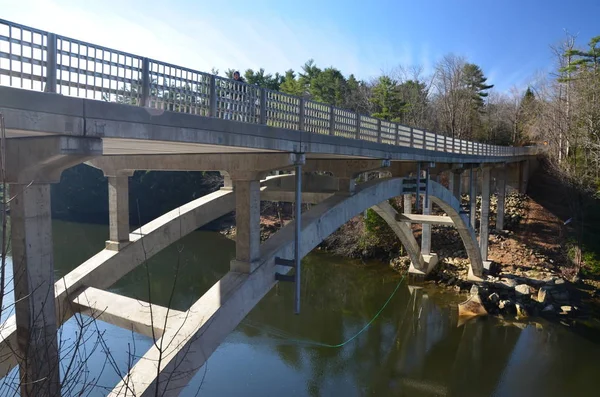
(282, 334)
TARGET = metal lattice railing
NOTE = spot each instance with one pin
(42, 61)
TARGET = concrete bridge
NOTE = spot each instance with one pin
(65, 102)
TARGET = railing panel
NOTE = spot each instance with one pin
(178, 89)
(23, 54)
(89, 71)
(388, 132)
(345, 123)
(418, 138)
(404, 135)
(368, 128)
(317, 116)
(283, 110)
(429, 140)
(237, 101)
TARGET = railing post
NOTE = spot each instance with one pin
(51, 62)
(331, 120)
(212, 97)
(357, 126)
(378, 131)
(412, 137)
(397, 134)
(435, 142)
(145, 99)
(424, 140)
(263, 106)
(445, 143)
(301, 105)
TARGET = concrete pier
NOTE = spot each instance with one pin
(247, 220)
(118, 207)
(35, 312)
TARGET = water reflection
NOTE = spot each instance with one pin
(416, 346)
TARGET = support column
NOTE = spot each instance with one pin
(247, 220)
(501, 182)
(35, 312)
(473, 197)
(118, 207)
(426, 229)
(407, 206)
(455, 183)
(346, 186)
(523, 176)
(484, 230)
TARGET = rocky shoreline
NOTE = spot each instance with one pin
(524, 280)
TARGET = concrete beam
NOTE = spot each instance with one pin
(128, 313)
(43, 159)
(230, 162)
(345, 169)
(33, 270)
(311, 183)
(426, 219)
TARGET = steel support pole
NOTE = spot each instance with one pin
(298, 231)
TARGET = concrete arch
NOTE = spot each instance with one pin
(451, 206)
(223, 306)
(403, 232)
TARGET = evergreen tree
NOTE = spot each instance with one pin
(291, 85)
(475, 83)
(387, 100)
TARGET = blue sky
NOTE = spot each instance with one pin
(509, 39)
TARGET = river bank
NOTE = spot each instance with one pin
(531, 274)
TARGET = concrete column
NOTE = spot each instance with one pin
(347, 186)
(484, 229)
(426, 229)
(247, 220)
(523, 176)
(473, 197)
(407, 206)
(118, 207)
(35, 312)
(455, 184)
(501, 182)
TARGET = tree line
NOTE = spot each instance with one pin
(455, 99)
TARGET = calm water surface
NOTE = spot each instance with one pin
(417, 347)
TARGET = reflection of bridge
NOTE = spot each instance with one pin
(188, 120)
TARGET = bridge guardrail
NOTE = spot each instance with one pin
(37, 60)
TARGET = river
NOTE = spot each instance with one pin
(415, 347)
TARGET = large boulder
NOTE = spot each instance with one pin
(523, 290)
(521, 310)
(543, 295)
(472, 307)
